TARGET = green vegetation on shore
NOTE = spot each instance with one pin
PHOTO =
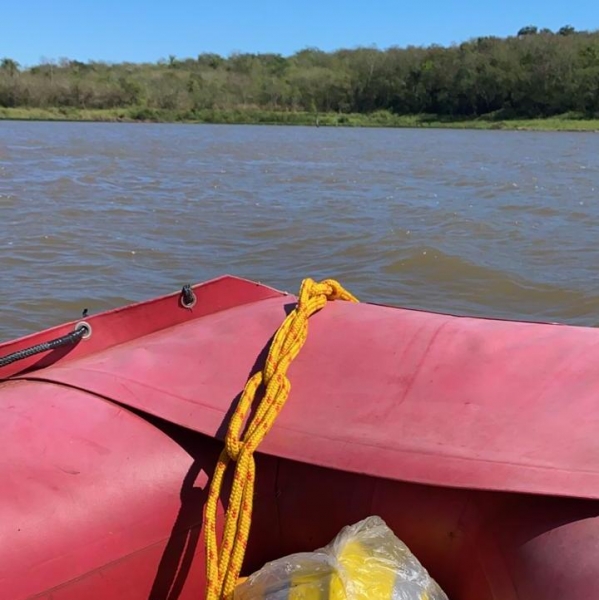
(533, 80)
(255, 117)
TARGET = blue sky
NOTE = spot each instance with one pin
(136, 30)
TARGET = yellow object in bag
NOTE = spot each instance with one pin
(366, 561)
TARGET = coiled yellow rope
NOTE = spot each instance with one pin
(224, 564)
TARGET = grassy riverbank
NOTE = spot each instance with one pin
(568, 122)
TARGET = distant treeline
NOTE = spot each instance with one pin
(536, 73)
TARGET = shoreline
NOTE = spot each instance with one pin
(565, 123)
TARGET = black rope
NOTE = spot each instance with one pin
(65, 340)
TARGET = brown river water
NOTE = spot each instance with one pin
(500, 224)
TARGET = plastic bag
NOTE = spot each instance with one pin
(366, 561)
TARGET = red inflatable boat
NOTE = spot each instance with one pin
(475, 440)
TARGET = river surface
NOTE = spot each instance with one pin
(501, 224)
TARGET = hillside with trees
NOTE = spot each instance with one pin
(535, 73)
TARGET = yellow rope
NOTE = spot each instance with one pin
(224, 564)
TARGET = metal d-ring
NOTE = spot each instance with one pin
(87, 327)
(188, 298)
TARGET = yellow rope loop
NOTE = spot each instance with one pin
(232, 440)
(224, 565)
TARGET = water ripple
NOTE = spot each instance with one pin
(484, 223)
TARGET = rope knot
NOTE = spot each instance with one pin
(336, 291)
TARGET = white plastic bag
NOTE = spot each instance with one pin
(366, 561)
